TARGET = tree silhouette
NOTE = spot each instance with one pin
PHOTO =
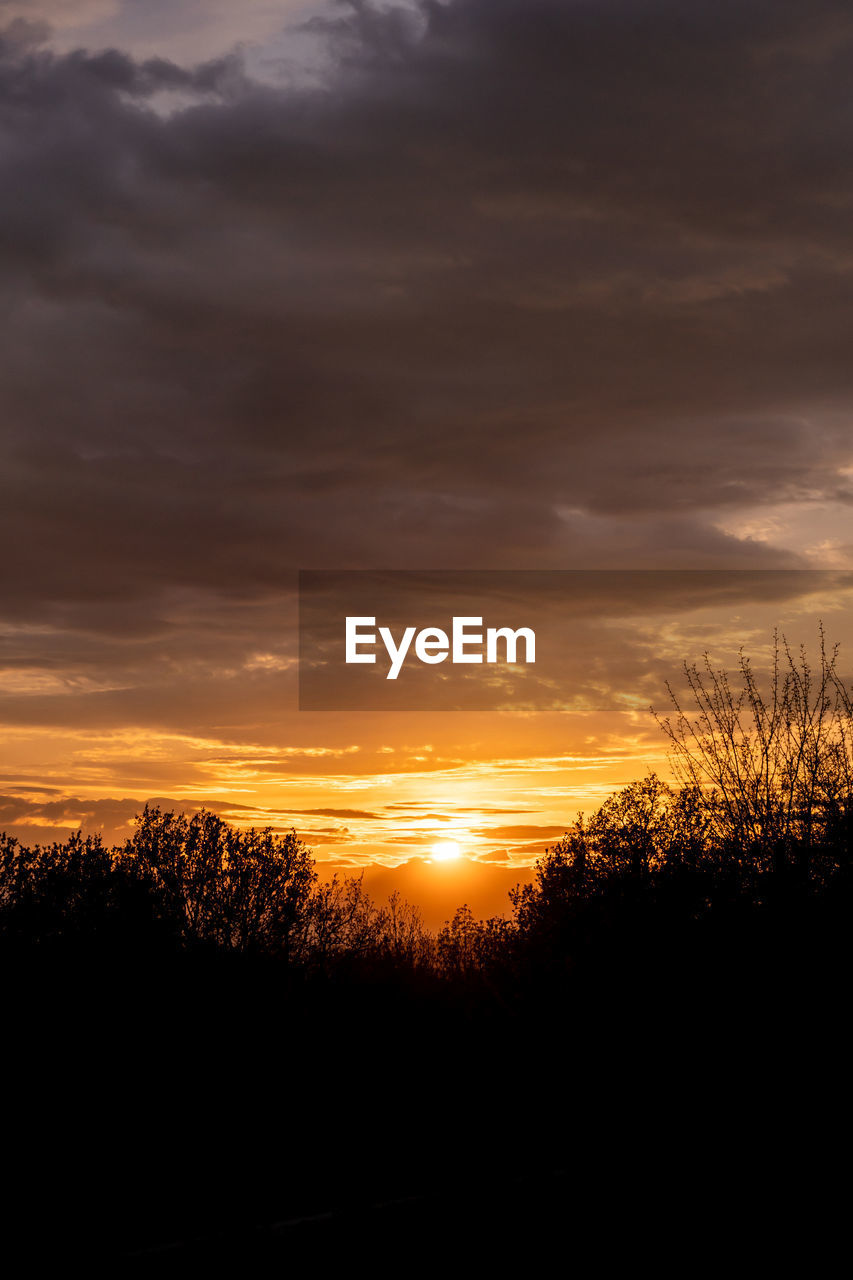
(344, 922)
(66, 892)
(238, 890)
(403, 937)
(772, 767)
(467, 947)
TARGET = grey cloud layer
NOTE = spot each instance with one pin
(530, 284)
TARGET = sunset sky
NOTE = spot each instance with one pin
(449, 284)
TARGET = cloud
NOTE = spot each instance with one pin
(68, 813)
(514, 834)
(32, 819)
(518, 287)
(277, 324)
(337, 813)
(58, 13)
(183, 28)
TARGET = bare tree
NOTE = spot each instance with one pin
(772, 760)
(403, 936)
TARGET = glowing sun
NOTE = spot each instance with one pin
(446, 850)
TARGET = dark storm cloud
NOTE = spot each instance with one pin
(528, 283)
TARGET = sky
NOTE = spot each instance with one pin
(480, 284)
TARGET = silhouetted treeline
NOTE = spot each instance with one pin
(207, 1039)
(195, 884)
(651, 856)
(195, 1016)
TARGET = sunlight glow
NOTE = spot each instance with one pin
(445, 851)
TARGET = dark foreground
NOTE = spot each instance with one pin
(195, 1113)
